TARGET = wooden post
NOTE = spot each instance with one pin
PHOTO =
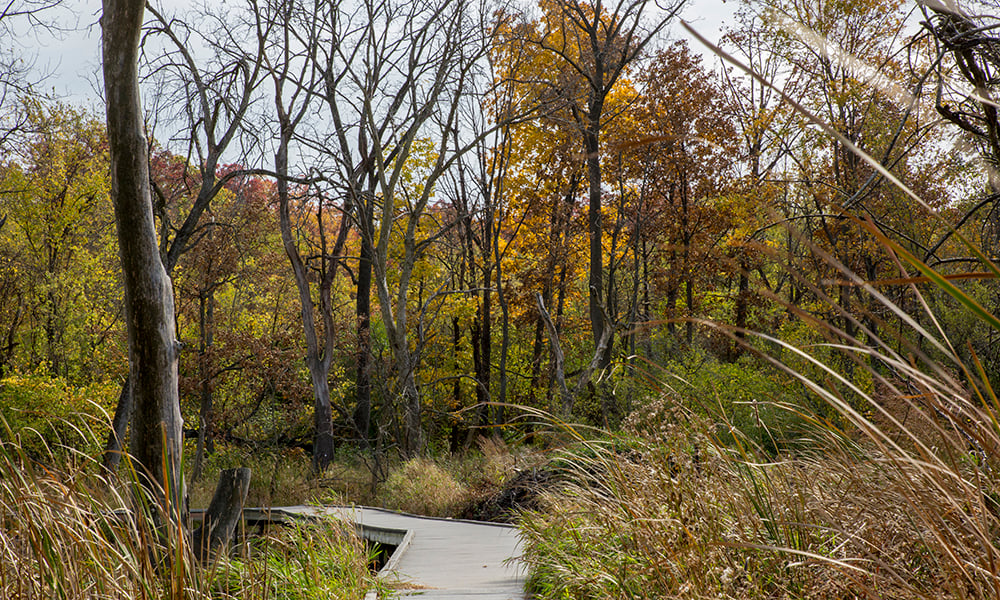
(223, 513)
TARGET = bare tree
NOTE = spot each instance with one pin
(290, 33)
(16, 70)
(967, 98)
(213, 101)
(394, 73)
(149, 305)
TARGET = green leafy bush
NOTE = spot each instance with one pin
(281, 477)
(749, 396)
(317, 561)
(52, 419)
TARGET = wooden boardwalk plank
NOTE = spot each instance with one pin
(445, 558)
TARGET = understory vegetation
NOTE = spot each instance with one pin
(853, 466)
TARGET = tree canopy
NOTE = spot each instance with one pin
(387, 224)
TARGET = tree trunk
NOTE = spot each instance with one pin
(687, 236)
(672, 289)
(566, 398)
(485, 342)
(317, 364)
(647, 332)
(742, 309)
(51, 329)
(149, 302)
(206, 326)
(689, 300)
(119, 426)
(395, 322)
(504, 338)
(482, 417)
(536, 356)
(322, 416)
(363, 313)
(223, 514)
(595, 230)
(413, 434)
(455, 437)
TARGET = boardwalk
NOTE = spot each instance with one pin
(443, 558)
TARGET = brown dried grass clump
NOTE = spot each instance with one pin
(685, 517)
(420, 486)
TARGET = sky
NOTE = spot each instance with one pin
(67, 58)
(70, 59)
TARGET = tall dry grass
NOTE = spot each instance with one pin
(76, 535)
(680, 515)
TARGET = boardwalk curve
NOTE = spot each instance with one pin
(440, 558)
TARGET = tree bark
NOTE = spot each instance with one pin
(501, 396)
(206, 330)
(316, 360)
(363, 313)
(595, 229)
(566, 404)
(223, 514)
(742, 308)
(413, 433)
(149, 303)
(482, 348)
(119, 426)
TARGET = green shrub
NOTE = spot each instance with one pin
(763, 404)
(280, 477)
(53, 420)
(315, 561)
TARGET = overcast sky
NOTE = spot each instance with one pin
(72, 58)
